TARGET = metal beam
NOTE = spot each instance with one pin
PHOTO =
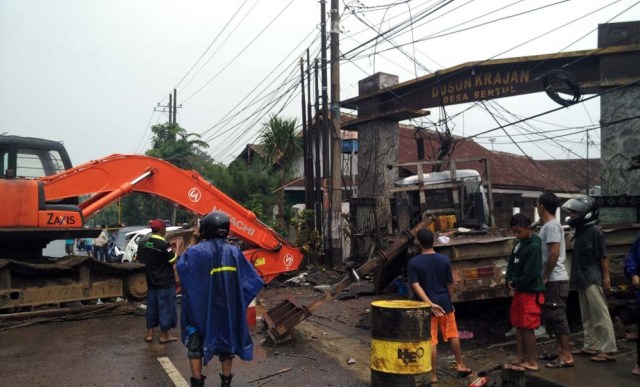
(498, 78)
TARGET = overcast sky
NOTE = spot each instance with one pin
(89, 73)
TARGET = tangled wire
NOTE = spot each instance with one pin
(556, 81)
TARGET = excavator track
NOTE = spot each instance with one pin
(25, 286)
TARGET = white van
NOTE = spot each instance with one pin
(134, 238)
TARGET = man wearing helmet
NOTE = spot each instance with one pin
(218, 283)
(590, 275)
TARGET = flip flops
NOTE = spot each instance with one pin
(585, 352)
(520, 368)
(603, 358)
(559, 363)
(168, 340)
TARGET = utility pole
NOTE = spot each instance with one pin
(305, 142)
(326, 135)
(171, 108)
(336, 144)
(175, 105)
(587, 164)
(318, 139)
(309, 131)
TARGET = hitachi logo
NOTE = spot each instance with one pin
(239, 225)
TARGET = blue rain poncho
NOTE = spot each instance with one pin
(218, 283)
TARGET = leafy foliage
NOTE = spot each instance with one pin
(308, 239)
(251, 185)
(282, 146)
(172, 143)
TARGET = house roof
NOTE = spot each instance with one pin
(507, 170)
(576, 170)
(249, 152)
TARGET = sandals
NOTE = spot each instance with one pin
(603, 358)
(168, 340)
(583, 351)
(560, 363)
(519, 368)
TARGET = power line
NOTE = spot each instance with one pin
(234, 114)
(242, 51)
(215, 39)
(555, 109)
(397, 96)
(443, 33)
(144, 132)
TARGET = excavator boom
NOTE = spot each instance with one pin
(115, 176)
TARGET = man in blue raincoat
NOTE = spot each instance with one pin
(218, 283)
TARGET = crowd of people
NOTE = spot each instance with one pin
(539, 281)
(97, 248)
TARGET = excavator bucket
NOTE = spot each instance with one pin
(280, 319)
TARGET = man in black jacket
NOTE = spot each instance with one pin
(590, 275)
(158, 256)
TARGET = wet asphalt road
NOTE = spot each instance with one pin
(110, 351)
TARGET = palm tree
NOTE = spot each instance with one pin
(174, 144)
(282, 146)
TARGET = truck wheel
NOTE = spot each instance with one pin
(135, 286)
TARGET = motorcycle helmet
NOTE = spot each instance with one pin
(214, 225)
(585, 206)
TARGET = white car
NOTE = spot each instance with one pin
(133, 238)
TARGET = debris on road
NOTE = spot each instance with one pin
(282, 371)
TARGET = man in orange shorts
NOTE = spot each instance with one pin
(431, 281)
(524, 277)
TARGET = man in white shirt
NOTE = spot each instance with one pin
(556, 280)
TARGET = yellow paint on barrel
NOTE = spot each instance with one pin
(401, 357)
(400, 343)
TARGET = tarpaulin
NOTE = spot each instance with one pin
(218, 283)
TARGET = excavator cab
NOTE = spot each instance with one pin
(28, 158)
(29, 223)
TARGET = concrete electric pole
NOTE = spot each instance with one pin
(336, 140)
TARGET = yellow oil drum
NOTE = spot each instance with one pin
(400, 343)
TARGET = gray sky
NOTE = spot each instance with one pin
(89, 73)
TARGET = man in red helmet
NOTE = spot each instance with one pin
(158, 256)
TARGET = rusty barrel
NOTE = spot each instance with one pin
(400, 343)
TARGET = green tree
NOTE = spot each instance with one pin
(282, 146)
(174, 144)
(252, 185)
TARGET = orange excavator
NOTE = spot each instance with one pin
(39, 192)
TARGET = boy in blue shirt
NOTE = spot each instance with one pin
(431, 281)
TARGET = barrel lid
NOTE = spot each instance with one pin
(401, 304)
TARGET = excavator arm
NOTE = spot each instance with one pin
(115, 176)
